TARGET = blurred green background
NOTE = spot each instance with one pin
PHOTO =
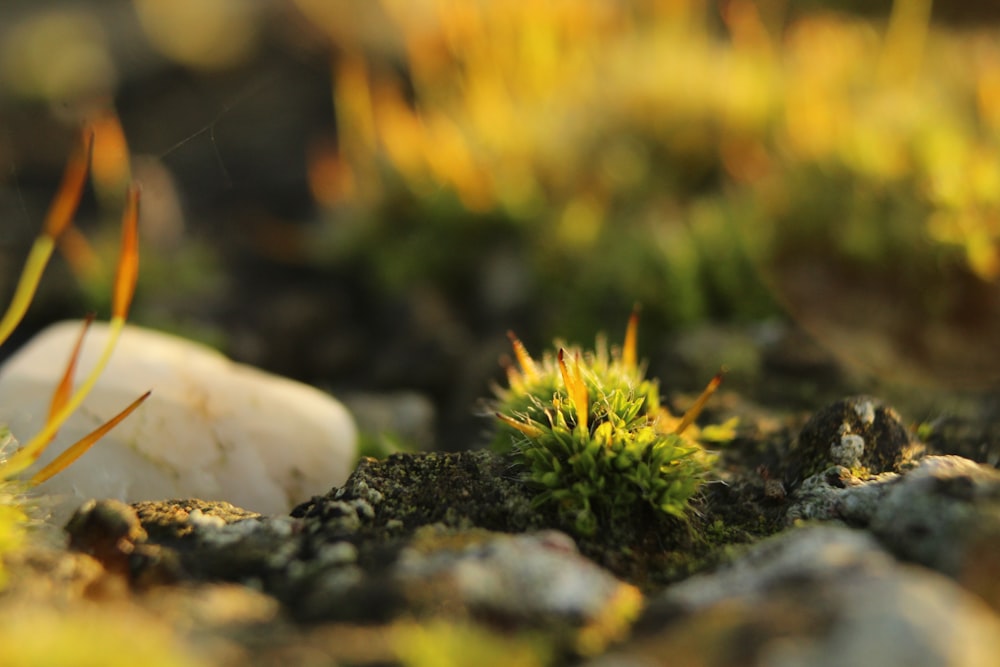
(365, 196)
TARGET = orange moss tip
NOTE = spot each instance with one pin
(128, 260)
(699, 404)
(529, 430)
(630, 347)
(77, 449)
(514, 378)
(576, 387)
(67, 199)
(524, 359)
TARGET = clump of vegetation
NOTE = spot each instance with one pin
(590, 430)
(14, 459)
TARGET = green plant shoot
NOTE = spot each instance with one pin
(589, 429)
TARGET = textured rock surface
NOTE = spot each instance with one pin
(535, 581)
(820, 596)
(944, 513)
(212, 429)
(372, 556)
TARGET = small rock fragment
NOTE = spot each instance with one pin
(108, 530)
(836, 433)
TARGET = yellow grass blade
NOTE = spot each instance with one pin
(26, 286)
(77, 449)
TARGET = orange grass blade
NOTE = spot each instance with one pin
(59, 217)
(524, 359)
(77, 449)
(576, 388)
(630, 356)
(696, 409)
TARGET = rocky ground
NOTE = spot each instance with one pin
(847, 533)
(850, 521)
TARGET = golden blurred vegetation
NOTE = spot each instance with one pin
(647, 150)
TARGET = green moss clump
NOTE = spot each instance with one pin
(593, 437)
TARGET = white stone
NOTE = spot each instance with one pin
(212, 429)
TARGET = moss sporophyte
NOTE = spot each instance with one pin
(591, 434)
(15, 460)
